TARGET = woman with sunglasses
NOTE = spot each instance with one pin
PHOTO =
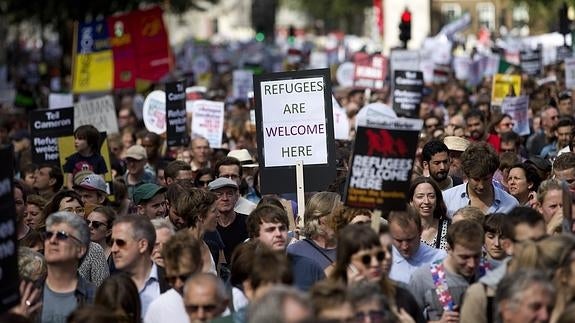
(203, 177)
(100, 222)
(94, 267)
(360, 257)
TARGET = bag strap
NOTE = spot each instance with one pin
(319, 250)
(441, 289)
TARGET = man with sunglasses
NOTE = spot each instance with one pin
(439, 287)
(205, 297)
(66, 242)
(182, 259)
(133, 239)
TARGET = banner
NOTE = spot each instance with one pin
(243, 83)
(93, 65)
(381, 165)
(176, 114)
(208, 121)
(9, 278)
(371, 75)
(295, 123)
(518, 109)
(403, 59)
(60, 100)
(407, 93)
(45, 128)
(531, 62)
(570, 72)
(120, 51)
(154, 112)
(101, 113)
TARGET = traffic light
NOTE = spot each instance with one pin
(405, 27)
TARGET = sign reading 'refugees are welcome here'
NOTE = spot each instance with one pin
(296, 130)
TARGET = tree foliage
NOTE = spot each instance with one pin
(345, 14)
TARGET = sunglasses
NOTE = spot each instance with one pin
(172, 280)
(119, 242)
(60, 236)
(96, 224)
(193, 308)
(366, 259)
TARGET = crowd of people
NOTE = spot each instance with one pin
(185, 235)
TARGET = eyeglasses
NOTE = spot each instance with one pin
(193, 308)
(173, 279)
(374, 316)
(230, 176)
(60, 236)
(119, 242)
(78, 210)
(366, 259)
(96, 224)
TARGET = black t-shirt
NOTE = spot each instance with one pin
(76, 163)
(404, 299)
(233, 235)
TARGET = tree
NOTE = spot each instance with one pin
(346, 15)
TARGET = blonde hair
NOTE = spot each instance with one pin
(546, 186)
(470, 213)
(320, 205)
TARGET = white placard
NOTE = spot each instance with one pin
(462, 67)
(456, 26)
(100, 113)
(570, 72)
(154, 112)
(208, 121)
(344, 74)
(294, 122)
(318, 59)
(404, 60)
(517, 107)
(243, 83)
(60, 100)
(340, 121)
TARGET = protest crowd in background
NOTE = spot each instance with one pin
(126, 222)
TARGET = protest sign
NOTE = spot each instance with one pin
(154, 112)
(403, 59)
(100, 113)
(9, 278)
(456, 26)
(407, 93)
(441, 73)
(570, 72)
(344, 74)
(374, 114)
(381, 165)
(176, 114)
(531, 62)
(340, 121)
(295, 124)
(562, 53)
(518, 108)
(243, 83)
(60, 100)
(45, 128)
(208, 121)
(462, 67)
(505, 85)
(371, 74)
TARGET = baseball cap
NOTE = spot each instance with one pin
(93, 182)
(146, 191)
(136, 152)
(222, 182)
(244, 156)
(456, 143)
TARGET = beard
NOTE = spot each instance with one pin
(439, 176)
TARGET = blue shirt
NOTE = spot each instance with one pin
(455, 198)
(151, 289)
(402, 268)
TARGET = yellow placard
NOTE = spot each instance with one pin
(505, 85)
(93, 72)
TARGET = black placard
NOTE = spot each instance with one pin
(176, 114)
(45, 128)
(407, 92)
(9, 282)
(381, 165)
(531, 62)
(282, 179)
